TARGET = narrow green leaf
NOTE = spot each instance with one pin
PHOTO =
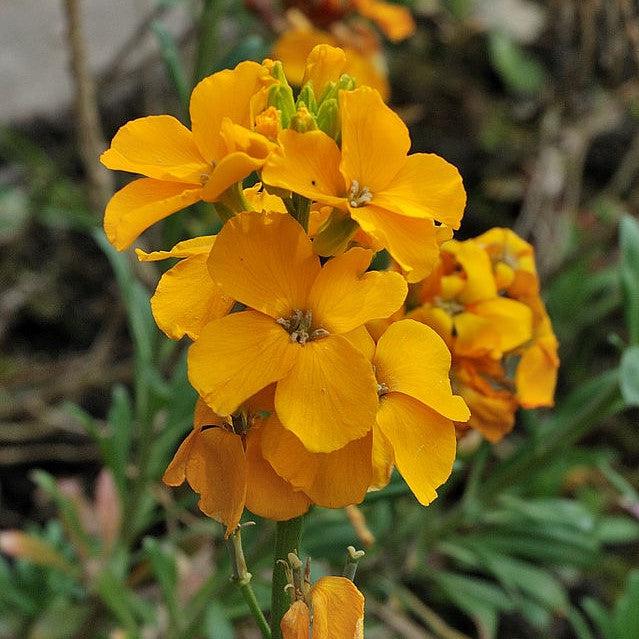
(518, 69)
(626, 613)
(629, 272)
(629, 376)
(599, 616)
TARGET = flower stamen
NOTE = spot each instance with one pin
(298, 325)
(359, 196)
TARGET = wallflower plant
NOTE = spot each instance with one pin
(317, 373)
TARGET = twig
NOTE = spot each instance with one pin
(91, 140)
(401, 624)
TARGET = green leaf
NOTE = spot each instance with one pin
(629, 274)
(579, 625)
(599, 616)
(617, 530)
(626, 615)
(165, 570)
(217, 624)
(629, 376)
(517, 68)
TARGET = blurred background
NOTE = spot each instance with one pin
(537, 103)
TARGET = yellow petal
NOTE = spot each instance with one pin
(267, 494)
(186, 299)
(238, 355)
(216, 469)
(423, 442)
(412, 359)
(175, 474)
(344, 296)
(394, 20)
(480, 282)
(329, 397)
(425, 187)
(383, 459)
(512, 319)
(203, 415)
(195, 246)
(141, 204)
(475, 336)
(226, 94)
(262, 200)
(157, 146)
(324, 64)
(307, 163)
(232, 168)
(361, 339)
(411, 241)
(265, 261)
(374, 140)
(536, 375)
(296, 623)
(368, 69)
(338, 609)
(437, 318)
(331, 480)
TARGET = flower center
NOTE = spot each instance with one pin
(452, 307)
(382, 389)
(299, 327)
(359, 196)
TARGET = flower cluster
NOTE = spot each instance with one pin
(483, 299)
(314, 380)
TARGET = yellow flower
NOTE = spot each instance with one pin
(183, 166)
(295, 330)
(337, 612)
(294, 47)
(222, 461)
(393, 196)
(414, 425)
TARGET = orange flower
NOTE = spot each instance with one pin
(393, 196)
(394, 20)
(183, 166)
(295, 330)
(222, 461)
(337, 612)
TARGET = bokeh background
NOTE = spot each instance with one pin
(537, 103)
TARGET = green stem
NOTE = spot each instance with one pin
(287, 539)
(242, 577)
(302, 210)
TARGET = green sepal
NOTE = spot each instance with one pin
(335, 234)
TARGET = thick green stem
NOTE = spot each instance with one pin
(287, 540)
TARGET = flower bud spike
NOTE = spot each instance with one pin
(352, 561)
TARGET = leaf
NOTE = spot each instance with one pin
(617, 530)
(579, 625)
(16, 543)
(599, 616)
(629, 376)
(216, 623)
(517, 68)
(165, 570)
(626, 617)
(629, 274)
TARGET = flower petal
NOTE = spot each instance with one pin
(375, 141)
(425, 187)
(307, 163)
(267, 494)
(175, 474)
(331, 480)
(195, 246)
(216, 469)
(383, 459)
(226, 94)
(186, 299)
(329, 397)
(394, 20)
(142, 203)
(265, 261)
(296, 623)
(263, 201)
(423, 442)
(512, 319)
(238, 355)
(338, 609)
(344, 296)
(411, 241)
(536, 374)
(157, 146)
(412, 359)
(232, 168)
(324, 64)
(293, 48)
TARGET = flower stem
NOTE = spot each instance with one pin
(287, 539)
(242, 577)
